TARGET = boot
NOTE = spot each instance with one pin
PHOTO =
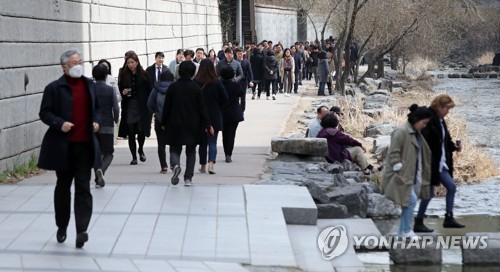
(420, 227)
(450, 222)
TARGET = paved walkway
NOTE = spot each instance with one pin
(142, 223)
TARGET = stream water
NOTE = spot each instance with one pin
(476, 205)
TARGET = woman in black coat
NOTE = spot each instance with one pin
(439, 139)
(136, 118)
(233, 111)
(215, 98)
(270, 73)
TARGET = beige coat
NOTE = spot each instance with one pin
(282, 69)
(397, 186)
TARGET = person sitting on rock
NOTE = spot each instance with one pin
(315, 124)
(337, 142)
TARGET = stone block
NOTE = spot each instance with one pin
(378, 129)
(33, 30)
(332, 210)
(13, 111)
(335, 168)
(482, 256)
(358, 176)
(118, 15)
(317, 192)
(304, 146)
(164, 6)
(102, 50)
(105, 32)
(47, 9)
(380, 207)
(403, 253)
(385, 84)
(372, 112)
(354, 197)
(381, 147)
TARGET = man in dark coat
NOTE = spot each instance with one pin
(246, 81)
(256, 62)
(438, 138)
(154, 71)
(298, 66)
(70, 146)
(184, 118)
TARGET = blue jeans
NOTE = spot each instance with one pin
(405, 221)
(211, 144)
(451, 188)
(321, 89)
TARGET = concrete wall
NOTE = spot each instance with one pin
(34, 33)
(276, 24)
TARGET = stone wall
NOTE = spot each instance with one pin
(276, 23)
(34, 33)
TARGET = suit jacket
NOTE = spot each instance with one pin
(151, 72)
(55, 109)
(185, 115)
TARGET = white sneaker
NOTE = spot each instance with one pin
(411, 235)
(286, 94)
(188, 183)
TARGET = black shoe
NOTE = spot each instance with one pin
(228, 159)
(133, 162)
(61, 235)
(450, 222)
(99, 178)
(175, 176)
(81, 238)
(420, 227)
(142, 156)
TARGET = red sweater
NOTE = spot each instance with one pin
(81, 110)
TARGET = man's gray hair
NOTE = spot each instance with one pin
(68, 53)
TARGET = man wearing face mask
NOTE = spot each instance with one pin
(70, 146)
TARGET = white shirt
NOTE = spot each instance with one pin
(442, 161)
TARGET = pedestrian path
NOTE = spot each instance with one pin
(142, 223)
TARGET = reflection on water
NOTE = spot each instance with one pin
(452, 259)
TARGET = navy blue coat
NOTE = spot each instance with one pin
(235, 106)
(55, 109)
(215, 98)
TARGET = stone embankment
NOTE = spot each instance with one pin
(340, 190)
(482, 71)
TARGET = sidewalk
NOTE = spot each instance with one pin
(141, 222)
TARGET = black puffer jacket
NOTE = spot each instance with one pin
(270, 67)
(256, 61)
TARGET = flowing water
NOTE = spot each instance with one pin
(476, 205)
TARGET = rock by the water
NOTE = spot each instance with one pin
(381, 207)
(354, 197)
(332, 210)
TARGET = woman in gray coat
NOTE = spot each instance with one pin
(408, 172)
(323, 71)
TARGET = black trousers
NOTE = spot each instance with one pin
(106, 142)
(80, 167)
(161, 138)
(228, 136)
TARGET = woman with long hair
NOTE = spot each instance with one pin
(287, 71)
(136, 118)
(215, 98)
(213, 57)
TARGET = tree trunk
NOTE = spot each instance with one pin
(394, 62)
(380, 67)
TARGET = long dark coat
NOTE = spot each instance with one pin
(235, 106)
(215, 98)
(55, 109)
(185, 115)
(256, 62)
(143, 91)
(433, 135)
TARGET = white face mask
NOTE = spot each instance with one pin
(76, 71)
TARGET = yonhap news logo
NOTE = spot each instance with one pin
(333, 242)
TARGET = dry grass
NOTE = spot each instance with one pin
(486, 58)
(418, 67)
(472, 165)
